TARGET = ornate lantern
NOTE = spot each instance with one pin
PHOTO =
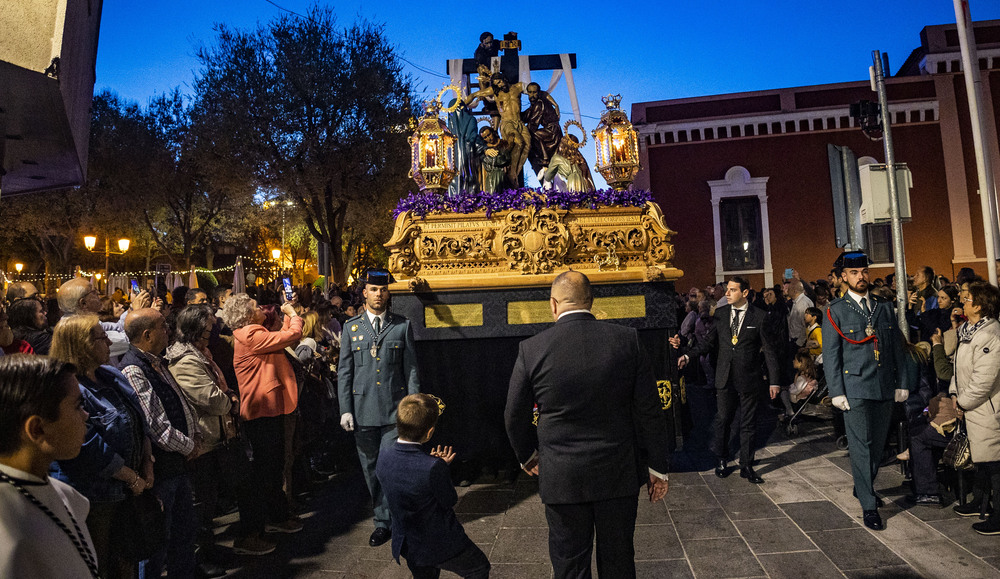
(432, 146)
(617, 145)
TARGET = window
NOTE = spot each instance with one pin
(878, 240)
(742, 242)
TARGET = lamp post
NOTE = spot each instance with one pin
(90, 242)
(276, 256)
(18, 267)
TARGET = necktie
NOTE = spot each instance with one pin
(736, 321)
(864, 307)
(377, 324)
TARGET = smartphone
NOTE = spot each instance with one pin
(288, 288)
(135, 287)
(789, 273)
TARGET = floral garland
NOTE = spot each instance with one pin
(421, 204)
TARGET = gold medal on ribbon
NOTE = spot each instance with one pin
(735, 339)
(374, 350)
(869, 330)
(354, 327)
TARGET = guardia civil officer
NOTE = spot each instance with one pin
(378, 367)
(863, 363)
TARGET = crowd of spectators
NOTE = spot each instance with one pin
(192, 396)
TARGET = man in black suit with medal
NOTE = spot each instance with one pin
(601, 432)
(737, 335)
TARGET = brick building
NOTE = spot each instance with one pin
(744, 178)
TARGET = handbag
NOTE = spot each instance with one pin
(958, 453)
(143, 526)
(234, 450)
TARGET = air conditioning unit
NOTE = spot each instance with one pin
(875, 192)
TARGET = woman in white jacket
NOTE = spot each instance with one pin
(976, 384)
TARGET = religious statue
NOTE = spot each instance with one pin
(570, 165)
(494, 160)
(487, 50)
(512, 129)
(462, 123)
(489, 103)
(542, 120)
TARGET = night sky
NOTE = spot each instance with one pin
(645, 50)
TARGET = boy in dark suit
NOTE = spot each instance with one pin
(421, 498)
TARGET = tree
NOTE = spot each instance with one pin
(316, 113)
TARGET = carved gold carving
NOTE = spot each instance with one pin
(528, 247)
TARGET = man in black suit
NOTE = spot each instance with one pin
(601, 433)
(738, 339)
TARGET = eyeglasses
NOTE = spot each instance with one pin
(967, 299)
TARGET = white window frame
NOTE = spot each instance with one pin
(739, 183)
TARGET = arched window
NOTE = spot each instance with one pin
(739, 212)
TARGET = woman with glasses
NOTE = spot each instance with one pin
(203, 384)
(976, 388)
(116, 459)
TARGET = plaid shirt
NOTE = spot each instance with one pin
(164, 435)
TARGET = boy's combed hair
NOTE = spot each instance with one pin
(416, 415)
(29, 386)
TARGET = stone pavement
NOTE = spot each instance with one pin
(802, 522)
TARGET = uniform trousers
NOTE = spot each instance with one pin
(867, 425)
(370, 440)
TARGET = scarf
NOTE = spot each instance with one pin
(965, 331)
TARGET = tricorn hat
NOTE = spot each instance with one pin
(852, 259)
(377, 277)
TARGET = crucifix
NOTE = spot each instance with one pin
(516, 68)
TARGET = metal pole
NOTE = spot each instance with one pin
(973, 86)
(897, 225)
(107, 265)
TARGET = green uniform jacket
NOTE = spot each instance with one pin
(851, 369)
(370, 387)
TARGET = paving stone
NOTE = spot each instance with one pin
(893, 572)
(702, 524)
(960, 531)
(993, 561)
(930, 513)
(521, 545)
(481, 528)
(726, 557)
(854, 549)
(485, 501)
(818, 516)
(812, 564)
(690, 497)
(821, 476)
(520, 570)
(753, 506)
(648, 513)
(942, 558)
(675, 569)
(657, 542)
(731, 485)
(529, 514)
(788, 487)
(774, 536)
(685, 479)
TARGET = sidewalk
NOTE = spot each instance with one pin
(802, 522)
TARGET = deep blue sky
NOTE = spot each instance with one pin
(645, 50)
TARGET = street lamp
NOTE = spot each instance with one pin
(90, 242)
(18, 267)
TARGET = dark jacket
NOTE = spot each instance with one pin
(115, 431)
(40, 340)
(739, 364)
(600, 421)
(421, 501)
(853, 370)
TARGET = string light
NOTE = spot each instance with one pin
(9, 275)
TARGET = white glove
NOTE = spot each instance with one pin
(841, 403)
(347, 421)
(902, 394)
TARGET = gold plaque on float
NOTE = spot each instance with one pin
(453, 315)
(609, 308)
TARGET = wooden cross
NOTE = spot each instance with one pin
(510, 60)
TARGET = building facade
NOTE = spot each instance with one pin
(744, 178)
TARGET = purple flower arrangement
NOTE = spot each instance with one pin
(427, 202)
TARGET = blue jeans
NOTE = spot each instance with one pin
(178, 554)
(370, 440)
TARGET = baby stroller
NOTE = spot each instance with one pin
(816, 397)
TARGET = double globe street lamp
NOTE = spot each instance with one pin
(90, 242)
